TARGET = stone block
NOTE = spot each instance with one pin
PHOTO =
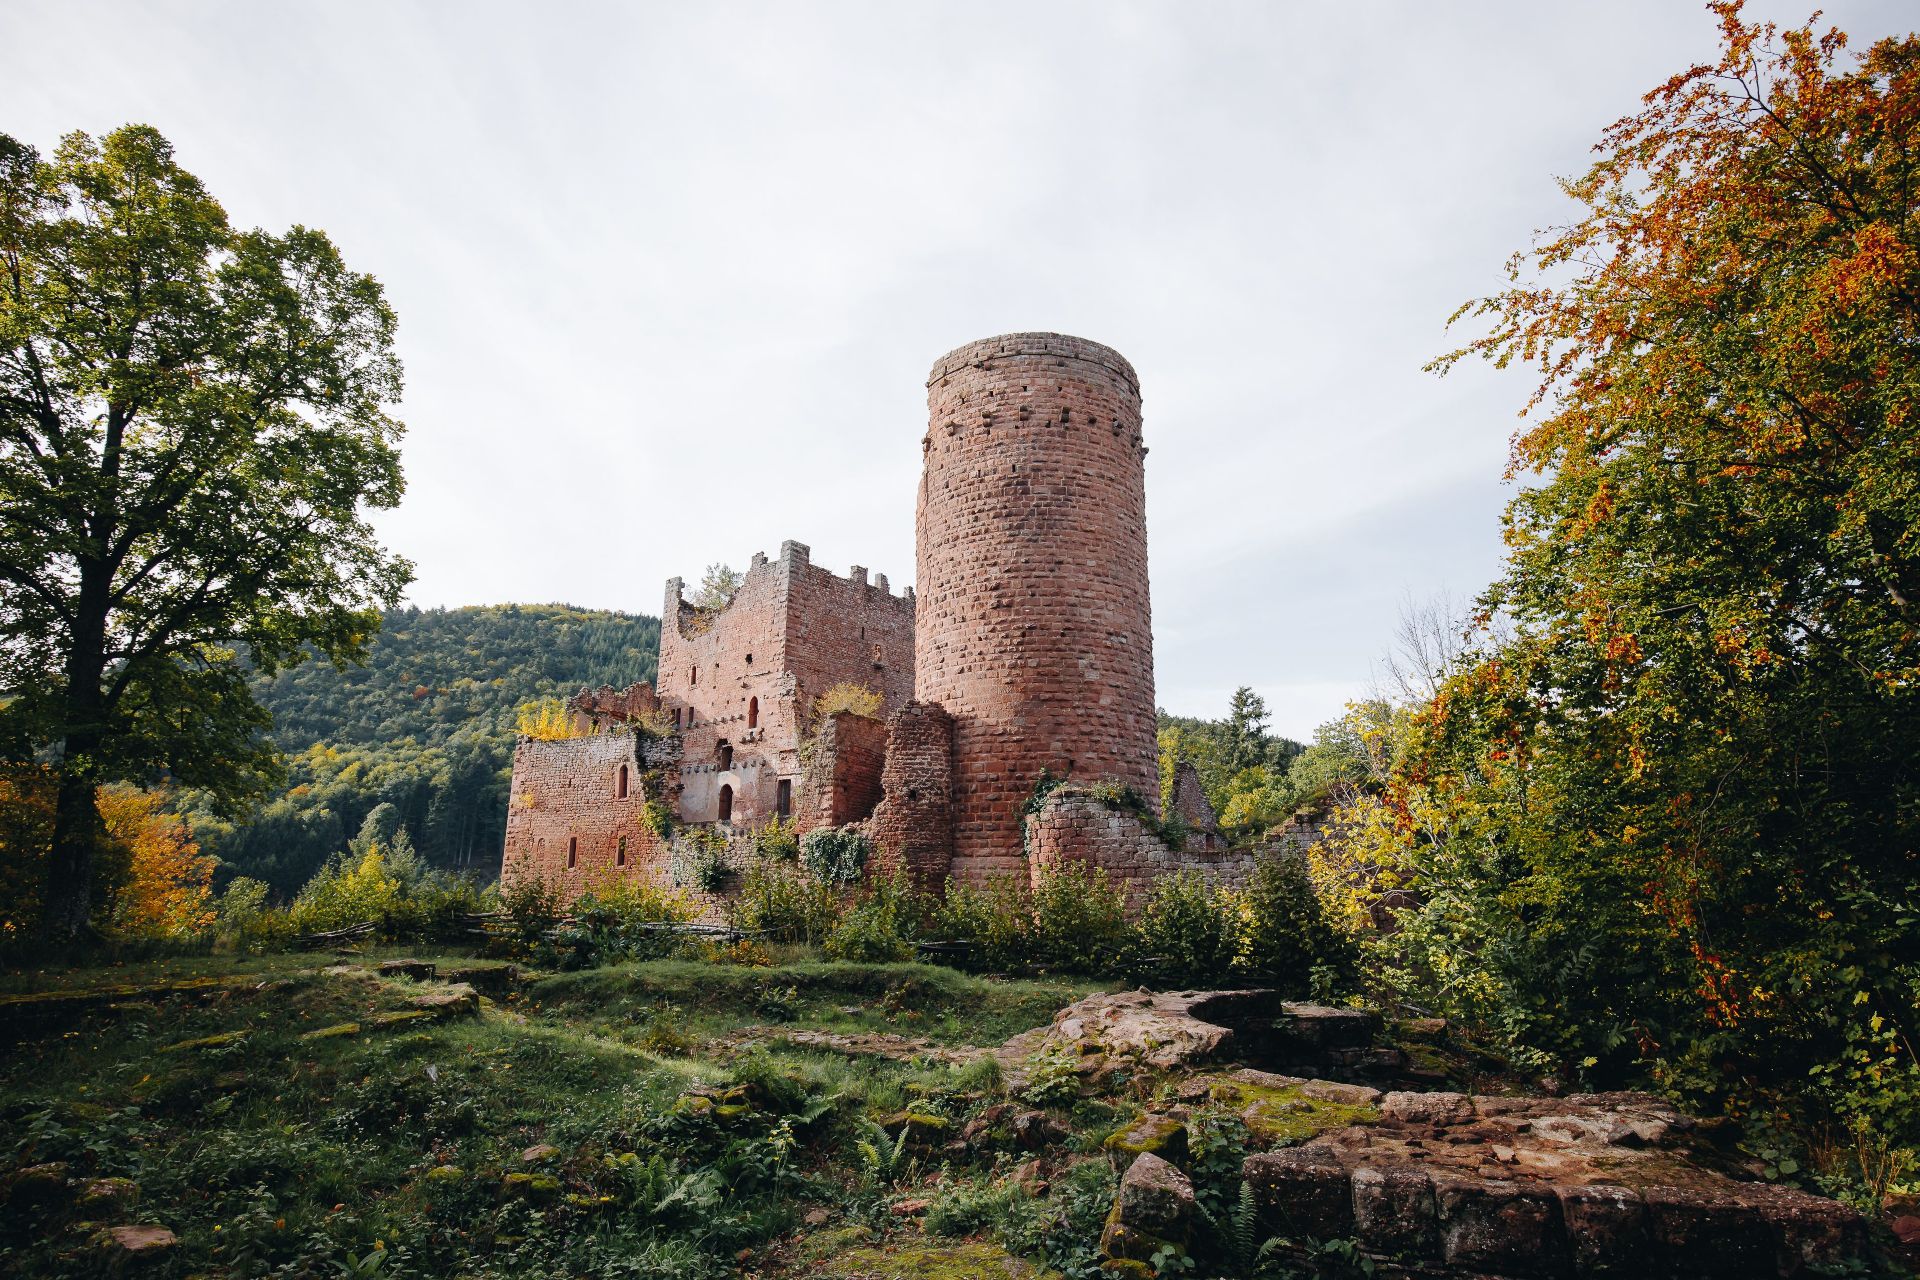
(1301, 1191)
(1502, 1227)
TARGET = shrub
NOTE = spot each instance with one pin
(777, 840)
(1078, 920)
(700, 861)
(611, 922)
(877, 929)
(1188, 932)
(1286, 933)
(777, 900)
(847, 696)
(347, 892)
(835, 855)
(997, 919)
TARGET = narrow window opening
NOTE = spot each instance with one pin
(573, 852)
(1066, 415)
(753, 713)
(749, 659)
(726, 804)
(676, 717)
(620, 855)
(726, 756)
(693, 675)
(620, 788)
(783, 798)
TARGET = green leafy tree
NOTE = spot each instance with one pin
(717, 587)
(193, 419)
(1673, 824)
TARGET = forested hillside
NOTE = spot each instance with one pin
(426, 725)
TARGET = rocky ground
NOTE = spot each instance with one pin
(439, 1116)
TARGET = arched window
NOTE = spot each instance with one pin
(620, 854)
(726, 755)
(753, 713)
(620, 788)
(573, 852)
(726, 804)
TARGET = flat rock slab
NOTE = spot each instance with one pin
(1164, 1029)
(1591, 1185)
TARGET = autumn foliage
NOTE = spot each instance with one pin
(154, 882)
(1671, 826)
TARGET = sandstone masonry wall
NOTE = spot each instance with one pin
(1073, 826)
(913, 827)
(566, 818)
(1034, 628)
(841, 781)
(742, 683)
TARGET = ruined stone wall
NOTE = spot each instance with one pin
(596, 710)
(913, 827)
(742, 682)
(841, 778)
(848, 630)
(1034, 628)
(1073, 826)
(566, 818)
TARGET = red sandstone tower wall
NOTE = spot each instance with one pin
(1033, 629)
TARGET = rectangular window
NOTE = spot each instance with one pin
(783, 798)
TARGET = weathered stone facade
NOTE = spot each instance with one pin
(1035, 629)
(1028, 652)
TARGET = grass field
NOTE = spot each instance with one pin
(650, 1119)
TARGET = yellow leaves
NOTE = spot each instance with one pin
(547, 720)
(847, 696)
(168, 890)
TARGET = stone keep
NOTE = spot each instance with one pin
(1034, 627)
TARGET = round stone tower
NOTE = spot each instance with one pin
(1033, 627)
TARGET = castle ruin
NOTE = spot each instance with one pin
(1026, 655)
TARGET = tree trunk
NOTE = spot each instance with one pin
(68, 907)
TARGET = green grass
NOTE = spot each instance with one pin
(396, 1151)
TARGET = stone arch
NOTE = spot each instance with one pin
(726, 802)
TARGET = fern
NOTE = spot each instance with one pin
(1241, 1221)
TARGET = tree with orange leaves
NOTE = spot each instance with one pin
(166, 887)
(1673, 824)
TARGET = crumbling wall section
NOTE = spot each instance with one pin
(568, 823)
(1191, 806)
(1076, 826)
(841, 782)
(740, 684)
(597, 710)
(913, 827)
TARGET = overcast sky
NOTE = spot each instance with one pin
(670, 277)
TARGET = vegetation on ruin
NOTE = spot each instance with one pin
(847, 696)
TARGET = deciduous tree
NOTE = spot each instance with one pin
(193, 419)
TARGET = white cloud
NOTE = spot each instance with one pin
(670, 276)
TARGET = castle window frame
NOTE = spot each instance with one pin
(620, 787)
(620, 854)
(725, 752)
(573, 852)
(726, 803)
(753, 711)
(783, 798)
